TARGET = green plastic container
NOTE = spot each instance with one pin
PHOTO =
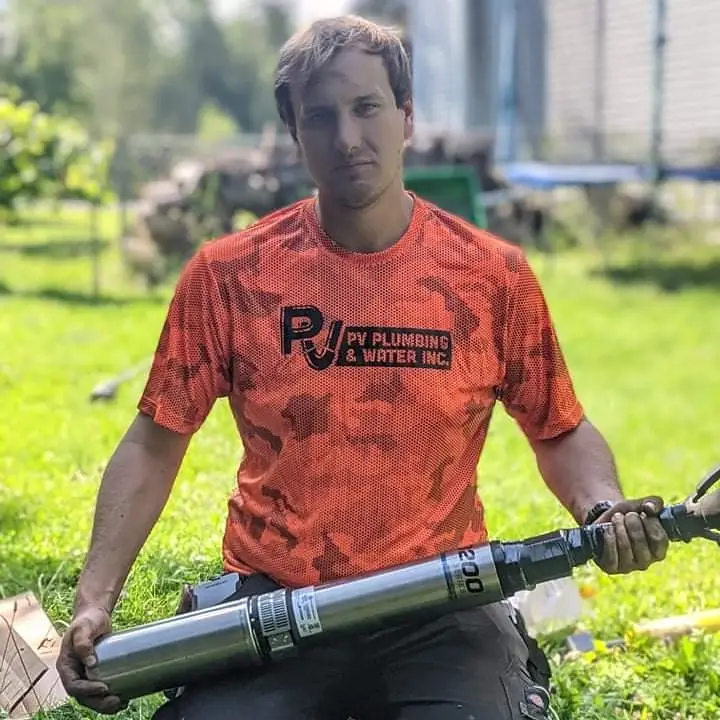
(453, 188)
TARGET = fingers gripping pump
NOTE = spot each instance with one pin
(265, 628)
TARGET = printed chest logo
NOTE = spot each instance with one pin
(360, 345)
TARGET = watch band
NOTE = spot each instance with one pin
(596, 511)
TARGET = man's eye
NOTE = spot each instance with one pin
(316, 117)
(367, 108)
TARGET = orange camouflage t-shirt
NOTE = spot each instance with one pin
(362, 385)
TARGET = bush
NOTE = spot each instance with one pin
(47, 157)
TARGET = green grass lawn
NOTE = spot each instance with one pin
(645, 363)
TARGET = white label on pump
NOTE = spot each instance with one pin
(305, 612)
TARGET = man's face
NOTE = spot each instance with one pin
(349, 130)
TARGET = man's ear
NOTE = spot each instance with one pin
(299, 150)
(408, 119)
(293, 134)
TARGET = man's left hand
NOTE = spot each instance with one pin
(635, 539)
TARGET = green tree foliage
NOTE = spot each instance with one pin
(46, 157)
(146, 66)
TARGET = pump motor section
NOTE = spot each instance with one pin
(522, 565)
(255, 630)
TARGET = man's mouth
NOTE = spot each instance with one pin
(355, 164)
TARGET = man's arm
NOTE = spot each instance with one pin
(134, 490)
(579, 468)
(190, 370)
(573, 457)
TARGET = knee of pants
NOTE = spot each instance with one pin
(167, 711)
(222, 706)
(531, 704)
(308, 687)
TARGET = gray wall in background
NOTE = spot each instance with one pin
(584, 75)
(598, 79)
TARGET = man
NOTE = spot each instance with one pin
(362, 337)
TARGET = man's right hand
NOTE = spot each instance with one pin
(77, 654)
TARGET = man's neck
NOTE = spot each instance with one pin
(370, 229)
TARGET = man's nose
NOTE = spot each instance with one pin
(347, 133)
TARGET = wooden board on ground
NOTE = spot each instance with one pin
(29, 646)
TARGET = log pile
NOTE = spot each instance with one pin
(203, 198)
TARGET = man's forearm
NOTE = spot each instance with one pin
(134, 490)
(579, 469)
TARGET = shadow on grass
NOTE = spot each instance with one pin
(25, 564)
(57, 249)
(667, 276)
(73, 297)
(155, 581)
(27, 569)
(13, 516)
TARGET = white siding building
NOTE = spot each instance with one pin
(584, 75)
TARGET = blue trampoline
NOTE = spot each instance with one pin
(698, 174)
(548, 176)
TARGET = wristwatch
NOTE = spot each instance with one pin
(597, 510)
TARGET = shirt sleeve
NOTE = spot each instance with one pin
(190, 367)
(537, 390)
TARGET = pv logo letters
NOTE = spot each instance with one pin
(304, 329)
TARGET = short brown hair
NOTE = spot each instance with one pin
(309, 50)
